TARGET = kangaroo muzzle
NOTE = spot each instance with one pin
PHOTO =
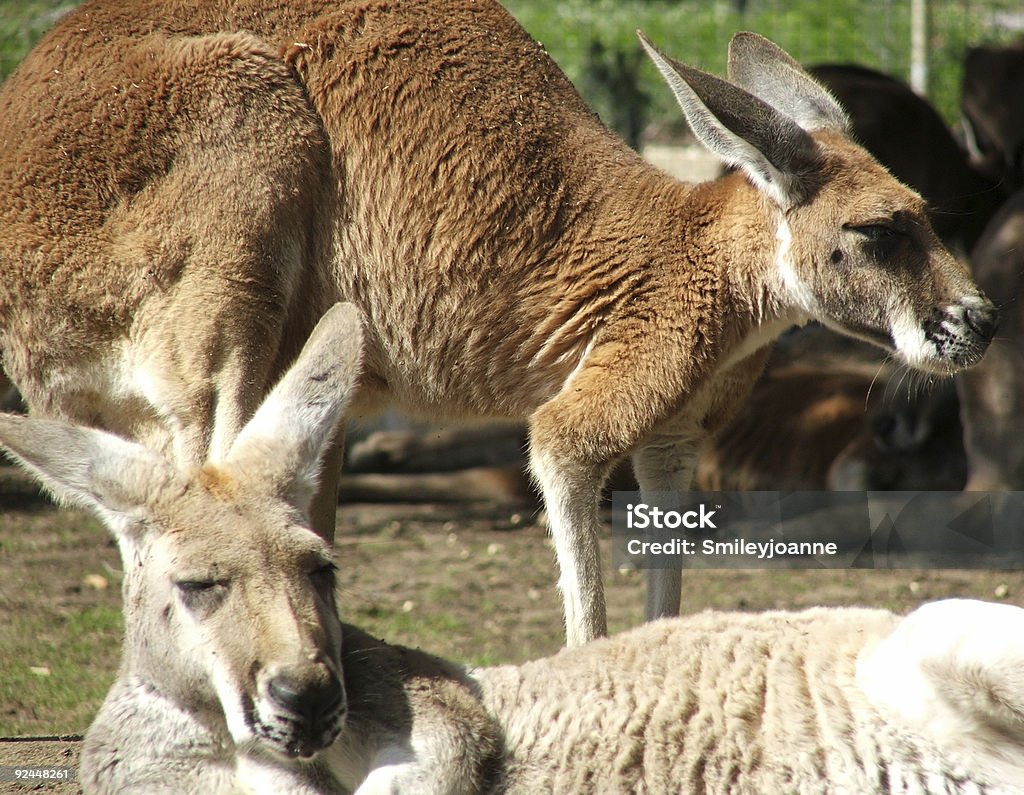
(301, 709)
(961, 332)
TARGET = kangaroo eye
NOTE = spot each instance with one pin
(201, 596)
(195, 586)
(324, 574)
(875, 232)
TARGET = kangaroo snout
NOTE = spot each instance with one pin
(961, 332)
(303, 708)
(983, 322)
(309, 702)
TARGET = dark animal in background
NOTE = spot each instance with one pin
(992, 102)
(830, 414)
(992, 397)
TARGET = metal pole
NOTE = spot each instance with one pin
(919, 46)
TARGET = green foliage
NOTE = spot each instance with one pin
(56, 673)
(686, 30)
(22, 22)
(869, 32)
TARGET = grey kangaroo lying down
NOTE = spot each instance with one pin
(196, 202)
(237, 676)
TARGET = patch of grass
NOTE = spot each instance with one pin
(68, 631)
(22, 23)
(49, 531)
(410, 627)
(56, 674)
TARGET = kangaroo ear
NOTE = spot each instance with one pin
(84, 466)
(282, 445)
(768, 72)
(775, 152)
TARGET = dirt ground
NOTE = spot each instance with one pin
(53, 753)
(472, 582)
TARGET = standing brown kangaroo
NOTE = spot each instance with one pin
(189, 185)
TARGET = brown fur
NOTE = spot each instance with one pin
(909, 137)
(818, 428)
(191, 184)
(795, 425)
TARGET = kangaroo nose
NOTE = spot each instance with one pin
(983, 321)
(307, 700)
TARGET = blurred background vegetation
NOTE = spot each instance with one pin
(594, 42)
(22, 22)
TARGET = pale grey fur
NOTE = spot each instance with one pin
(748, 703)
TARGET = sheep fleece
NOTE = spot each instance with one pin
(758, 704)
